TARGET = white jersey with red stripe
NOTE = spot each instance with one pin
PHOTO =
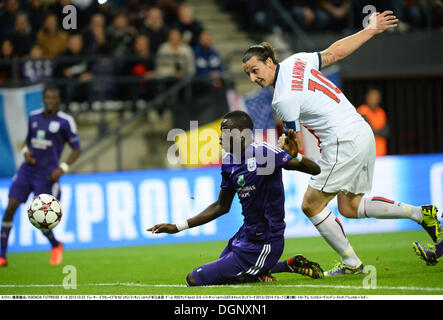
(304, 96)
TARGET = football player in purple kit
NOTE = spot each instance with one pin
(48, 131)
(253, 253)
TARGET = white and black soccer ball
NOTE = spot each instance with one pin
(44, 212)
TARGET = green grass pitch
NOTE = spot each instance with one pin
(161, 270)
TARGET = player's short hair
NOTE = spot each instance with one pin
(262, 51)
(51, 87)
(240, 119)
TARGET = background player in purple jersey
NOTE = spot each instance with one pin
(48, 131)
(253, 253)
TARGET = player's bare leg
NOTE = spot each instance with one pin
(314, 201)
(348, 204)
(355, 206)
(315, 208)
(6, 227)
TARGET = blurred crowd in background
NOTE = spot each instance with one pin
(150, 39)
(333, 15)
(154, 39)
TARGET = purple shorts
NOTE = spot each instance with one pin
(236, 265)
(25, 182)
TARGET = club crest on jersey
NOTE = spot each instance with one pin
(252, 164)
(54, 126)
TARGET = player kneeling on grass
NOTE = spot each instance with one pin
(254, 172)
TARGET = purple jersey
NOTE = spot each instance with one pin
(47, 137)
(261, 196)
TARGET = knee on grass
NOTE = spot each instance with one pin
(190, 281)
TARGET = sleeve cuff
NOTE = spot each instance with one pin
(288, 125)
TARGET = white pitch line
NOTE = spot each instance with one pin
(230, 286)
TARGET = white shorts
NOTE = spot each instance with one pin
(348, 164)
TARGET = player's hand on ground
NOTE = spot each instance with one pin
(163, 228)
(29, 157)
(289, 143)
(379, 22)
(56, 174)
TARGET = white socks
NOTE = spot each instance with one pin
(382, 208)
(332, 231)
(376, 207)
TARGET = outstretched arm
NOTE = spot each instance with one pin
(378, 23)
(215, 210)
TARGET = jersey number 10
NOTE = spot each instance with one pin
(314, 85)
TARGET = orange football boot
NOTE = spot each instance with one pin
(56, 255)
(3, 262)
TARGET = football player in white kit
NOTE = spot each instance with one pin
(304, 96)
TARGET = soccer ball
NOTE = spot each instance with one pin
(44, 212)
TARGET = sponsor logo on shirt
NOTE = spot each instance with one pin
(41, 134)
(241, 180)
(244, 191)
(39, 142)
